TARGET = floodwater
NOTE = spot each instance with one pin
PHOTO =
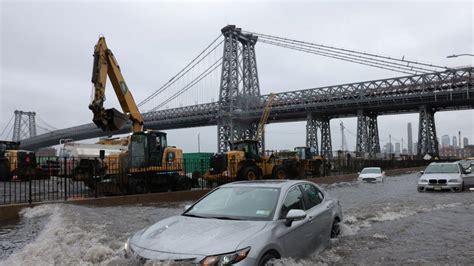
(384, 223)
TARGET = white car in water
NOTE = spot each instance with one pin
(371, 174)
(445, 176)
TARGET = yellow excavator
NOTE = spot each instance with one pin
(149, 165)
(245, 162)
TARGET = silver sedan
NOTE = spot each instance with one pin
(243, 223)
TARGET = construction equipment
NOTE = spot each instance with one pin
(81, 161)
(18, 165)
(149, 164)
(245, 161)
(313, 164)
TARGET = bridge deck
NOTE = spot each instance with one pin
(448, 90)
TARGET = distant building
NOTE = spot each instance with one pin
(397, 147)
(388, 148)
(455, 142)
(469, 151)
(415, 148)
(410, 139)
(465, 142)
(445, 140)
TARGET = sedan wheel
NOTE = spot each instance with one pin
(335, 229)
(267, 259)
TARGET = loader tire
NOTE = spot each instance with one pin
(249, 173)
(279, 172)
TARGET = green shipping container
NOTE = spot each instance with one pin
(197, 161)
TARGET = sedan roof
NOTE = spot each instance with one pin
(274, 183)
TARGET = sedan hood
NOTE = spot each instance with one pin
(440, 176)
(200, 236)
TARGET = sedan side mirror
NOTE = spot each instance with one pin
(468, 171)
(294, 215)
(186, 207)
(422, 172)
(358, 173)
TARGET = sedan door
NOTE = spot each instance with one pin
(468, 177)
(295, 238)
(319, 215)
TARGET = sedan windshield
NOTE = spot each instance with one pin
(237, 203)
(442, 168)
(370, 171)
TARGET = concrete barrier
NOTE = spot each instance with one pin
(352, 177)
(12, 211)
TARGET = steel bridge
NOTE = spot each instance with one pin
(240, 104)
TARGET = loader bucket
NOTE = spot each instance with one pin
(113, 120)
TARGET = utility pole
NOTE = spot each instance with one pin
(390, 143)
(199, 144)
(343, 140)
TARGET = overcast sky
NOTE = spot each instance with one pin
(47, 46)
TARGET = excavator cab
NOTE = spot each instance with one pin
(146, 148)
(249, 147)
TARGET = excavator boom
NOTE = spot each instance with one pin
(112, 119)
(264, 118)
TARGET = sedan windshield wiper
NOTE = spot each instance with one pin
(225, 218)
(194, 215)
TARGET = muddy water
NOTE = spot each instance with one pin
(385, 223)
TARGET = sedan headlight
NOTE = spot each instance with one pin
(423, 181)
(453, 181)
(226, 259)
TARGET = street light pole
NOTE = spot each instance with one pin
(458, 55)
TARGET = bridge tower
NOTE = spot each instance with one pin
(367, 134)
(24, 125)
(427, 141)
(314, 123)
(239, 88)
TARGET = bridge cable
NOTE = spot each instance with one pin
(44, 128)
(194, 81)
(201, 76)
(354, 56)
(10, 133)
(347, 51)
(11, 119)
(344, 58)
(46, 123)
(183, 71)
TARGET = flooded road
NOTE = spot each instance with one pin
(384, 223)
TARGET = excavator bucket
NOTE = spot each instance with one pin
(113, 120)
